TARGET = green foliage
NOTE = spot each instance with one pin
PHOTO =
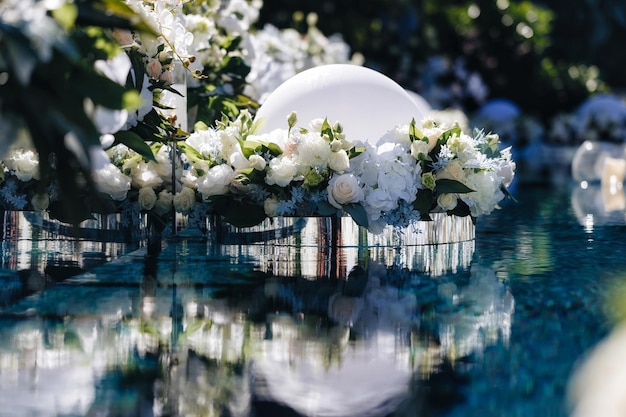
(47, 96)
(545, 56)
(236, 212)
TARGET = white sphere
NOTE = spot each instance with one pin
(420, 102)
(364, 101)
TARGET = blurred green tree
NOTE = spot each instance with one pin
(522, 50)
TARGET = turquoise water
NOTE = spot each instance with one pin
(253, 329)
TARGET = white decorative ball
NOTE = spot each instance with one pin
(365, 102)
(420, 102)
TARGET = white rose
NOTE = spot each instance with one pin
(40, 202)
(206, 142)
(24, 165)
(189, 179)
(164, 203)
(146, 198)
(315, 125)
(216, 181)
(447, 201)
(143, 174)
(462, 146)
(281, 172)
(344, 189)
(110, 180)
(339, 161)
(433, 136)
(257, 162)
(270, 206)
(452, 171)
(185, 200)
(238, 160)
(200, 166)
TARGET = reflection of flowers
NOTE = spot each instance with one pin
(476, 315)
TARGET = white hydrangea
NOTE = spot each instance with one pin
(487, 192)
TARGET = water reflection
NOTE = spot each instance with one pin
(599, 205)
(316, 247)
(175, 342)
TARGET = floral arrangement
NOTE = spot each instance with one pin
(239, 65)
(125, 58)
(315, 170)
(275, 55)
(125, 151)
(246, 177)
(600, 118)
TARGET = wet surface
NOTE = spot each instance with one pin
(254, 329)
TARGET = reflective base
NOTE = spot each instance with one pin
(324, 246)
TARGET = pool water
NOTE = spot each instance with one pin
(241, 329)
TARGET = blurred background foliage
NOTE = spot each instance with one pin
(546, 56)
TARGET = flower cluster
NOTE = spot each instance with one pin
(275, 55)
(311, 170)
(316, 170)
(433, 168)
(240, 65)
(599, 118)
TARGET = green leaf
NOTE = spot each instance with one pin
(274, 149)
(324, 208)
(358, 214)
(461, 209)
(138, 68)
(131, 100)
(354, 151)
(66, 15)
(414, 132)
(507, 193)
(446, 186)
(445, 136)
(424, 201)
(249, 147)
(327, 129)
(188, 149)
(100, 89)
(135, 142)
(112, 13)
